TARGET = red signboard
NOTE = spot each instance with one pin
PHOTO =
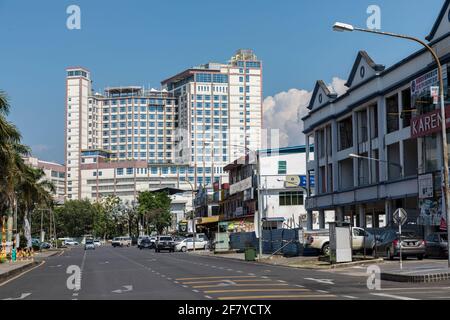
(429, 123)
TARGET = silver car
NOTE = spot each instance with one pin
(89, 245)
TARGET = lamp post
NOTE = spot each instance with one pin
(357, 156)
(193, 215)
(341, 27)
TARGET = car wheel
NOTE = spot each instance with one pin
(326, 249)
(420, 257)
(183, 249)
(389, 254)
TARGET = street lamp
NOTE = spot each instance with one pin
(341, 27)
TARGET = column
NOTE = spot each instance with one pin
(321, 219)
(339, 214)
(362, 216)
(309, 220)
(388, 210)
(376, 220)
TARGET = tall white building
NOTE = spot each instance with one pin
(131, 139)
(220, 114)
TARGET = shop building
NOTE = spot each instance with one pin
(377, 147)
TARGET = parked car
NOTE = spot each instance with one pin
(140, 238)
(145, 244)
(164, 243)
(412, 245)
(45, 245)
(89, 244)
(320, 240)
(153, 241)
(97, 243)
(188, 244)
(71, 242)
(121, 242)
(437, 245)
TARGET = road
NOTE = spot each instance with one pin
(128, 273)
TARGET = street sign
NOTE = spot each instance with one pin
(400, 216)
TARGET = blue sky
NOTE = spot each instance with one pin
(139, 42)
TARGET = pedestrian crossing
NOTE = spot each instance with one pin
(250, 287)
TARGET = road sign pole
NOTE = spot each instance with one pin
(400, 244)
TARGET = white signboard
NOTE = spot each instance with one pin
(241, 186)
(425, 186)
(400, 216)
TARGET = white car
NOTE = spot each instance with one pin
(97, 243)
(71, 242)
(188, 244)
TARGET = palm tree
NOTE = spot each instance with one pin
(20, 185)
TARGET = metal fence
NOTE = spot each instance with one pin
(278, 241)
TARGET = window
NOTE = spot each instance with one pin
(291, 198)
(282, 167)
(392, 113)
(129, 170)
(120, 171)
(345, 134)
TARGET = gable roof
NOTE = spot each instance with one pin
(438, 20)
(320, 85)
(363, 55)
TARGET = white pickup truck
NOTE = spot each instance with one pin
(320, 239)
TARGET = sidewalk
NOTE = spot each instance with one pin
(417, 271)
(304, 262)
(12, 269)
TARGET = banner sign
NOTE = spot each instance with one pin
(428, 123)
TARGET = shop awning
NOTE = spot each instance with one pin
(206, 220)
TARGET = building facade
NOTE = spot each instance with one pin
(220, 114)
(282, 190)
(374, 146)
(54, 172)
(131, 139)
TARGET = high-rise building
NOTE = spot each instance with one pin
(129, 139)
(220, 114)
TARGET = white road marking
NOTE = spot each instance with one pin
(19, 275)
(300, 286)
(128, 288)
(22, 296)
(393, 296)
(208, 297)
(195, 290)
(251, 274)
(325, 281)
(350, 297)
(282, 281)
(322, 291)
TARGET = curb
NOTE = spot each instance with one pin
(425, 278)
(10, 274)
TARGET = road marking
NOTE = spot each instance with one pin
(254, 290)
(422, 288)
(128, 288)
(282, 281)
(218, 277)
(243, 285)
(62, 252)
(251, 274)
(195, 290)
(58, 266)
(22, 296)
(186, 287)
(220, 280)
(175, 282)
(277, 296)
(239, 271)
(325, 281)
(18, 276)
(229, 269)
(169, 278)
(208, 297)
(322, 291)
(350, 297)
(392, 296)
(300, 286)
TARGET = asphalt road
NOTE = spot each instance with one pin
(128, 273)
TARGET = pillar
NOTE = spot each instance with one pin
(376, 220)
(362, 216)
(322, 219)
(309, 220)
(388, 211)
(339, 214)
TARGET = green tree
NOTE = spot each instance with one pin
(155, 207)
(75, 218)
(108, 217)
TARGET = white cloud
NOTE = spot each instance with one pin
(285, 110)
